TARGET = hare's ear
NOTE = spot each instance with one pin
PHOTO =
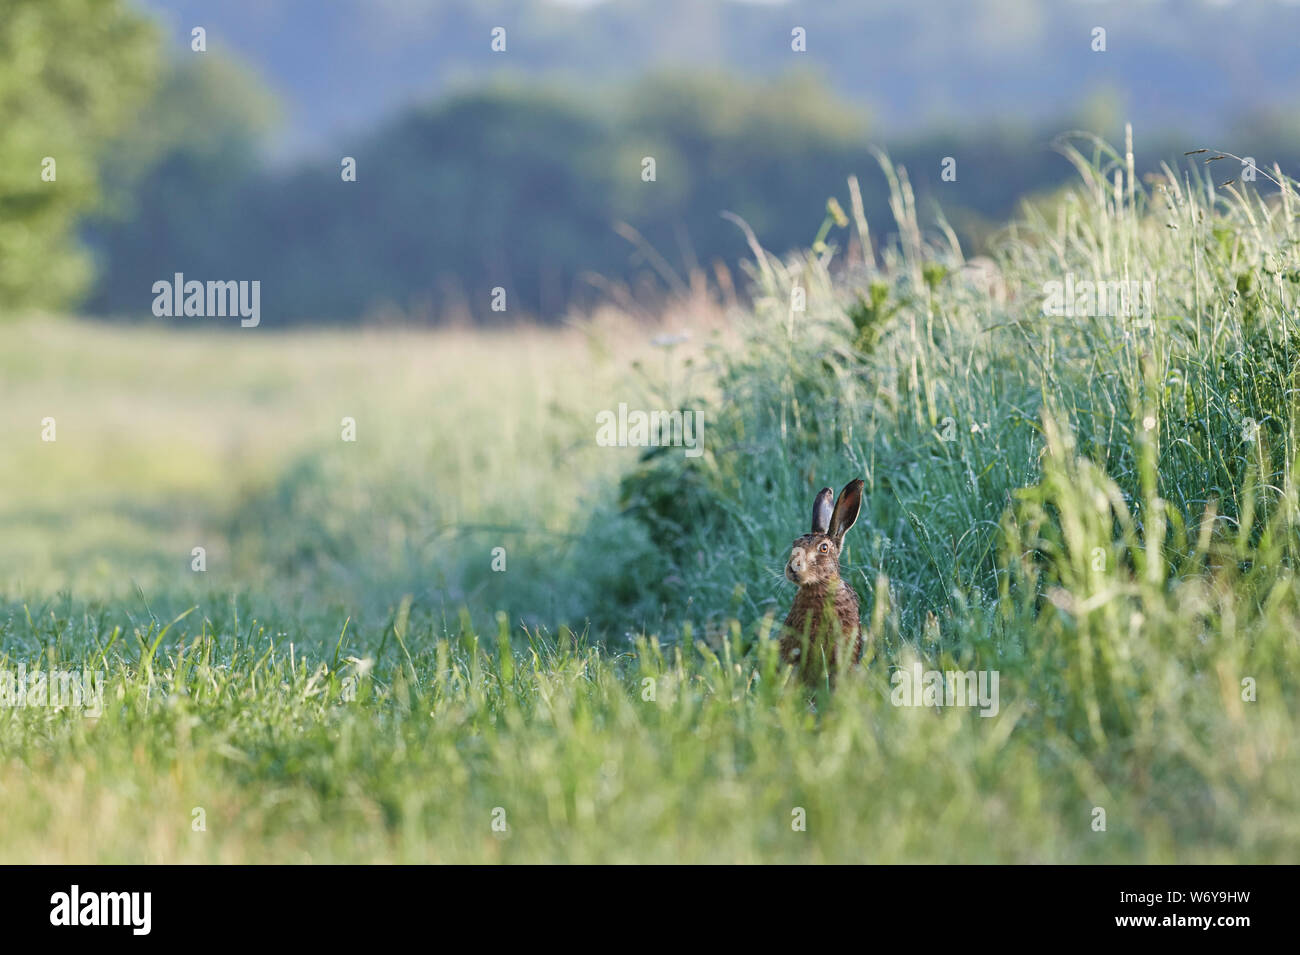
(822, 511)
(846, 509)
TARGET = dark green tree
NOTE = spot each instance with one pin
(71, 73)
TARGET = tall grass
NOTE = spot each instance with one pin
(1103, 509)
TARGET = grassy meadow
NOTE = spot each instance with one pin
(1101, 506)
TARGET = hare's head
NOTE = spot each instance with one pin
(815, 558)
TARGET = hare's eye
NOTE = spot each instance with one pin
(825, 548)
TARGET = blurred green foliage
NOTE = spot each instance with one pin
(175, 180)
(70, 73)
(509, 185)
(531, 185)
(534, 188)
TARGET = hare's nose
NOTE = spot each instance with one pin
(797, 561)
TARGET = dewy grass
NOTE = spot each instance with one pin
(1099, 507)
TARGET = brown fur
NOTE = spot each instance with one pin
(822, 631)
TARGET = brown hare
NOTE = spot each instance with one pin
(823, 628)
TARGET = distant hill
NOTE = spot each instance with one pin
(341, 64)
